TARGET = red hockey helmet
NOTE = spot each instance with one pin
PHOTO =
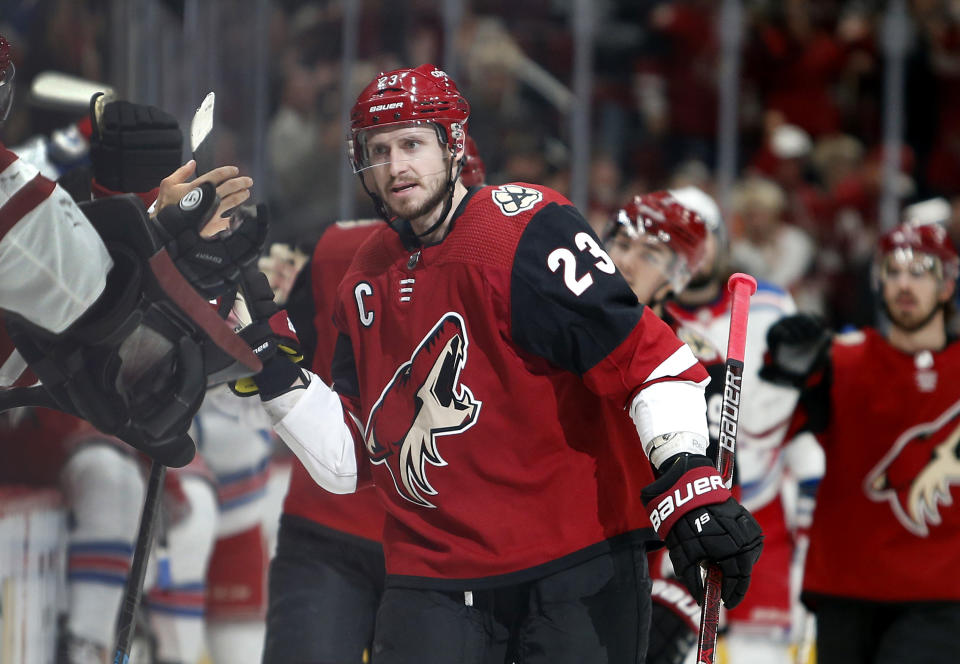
(7, 71)
(659, 218)
(424, 94)
(907, 242)
(473, 171)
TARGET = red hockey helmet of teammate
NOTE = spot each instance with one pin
(424, 94)
(929, 242)
(659, 218)
(473, 172)
(7, 72)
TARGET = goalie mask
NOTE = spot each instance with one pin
(7, 72)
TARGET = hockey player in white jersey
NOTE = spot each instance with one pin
(777, 478)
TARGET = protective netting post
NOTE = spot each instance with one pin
(261, 87)
(452, 16)
(896, 41)
(731, 42)
(351, 18)
(582, 21)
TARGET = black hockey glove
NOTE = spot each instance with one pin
(212, 265)
(273, 339)
(797, 347)
(132, 146)
(137, 364)
(118, 369)
(701, 522)
(673, 623)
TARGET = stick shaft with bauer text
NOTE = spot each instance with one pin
(742, 286)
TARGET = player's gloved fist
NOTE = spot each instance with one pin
(701, 522)
(273, 339)
(211, 265)
(797, 346)
(132, 146)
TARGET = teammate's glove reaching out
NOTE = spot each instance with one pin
(701, 522)
(797, 347)
(273, 339)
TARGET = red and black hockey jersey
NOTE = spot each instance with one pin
(360, 514)
(887, 521)
(490, 374)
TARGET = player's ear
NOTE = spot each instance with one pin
(948, 288)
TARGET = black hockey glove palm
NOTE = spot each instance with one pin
(212, 265)
(797, 347)
(273, 339)
(132, 146)
(701, 522)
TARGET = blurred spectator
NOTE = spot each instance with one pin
(605, 192)
(769, 248)
(675, 83)
(785, 158)
(797, 56)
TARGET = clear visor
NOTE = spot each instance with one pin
(415, 142)
(6, 91)
(914, 263)
(651, 250)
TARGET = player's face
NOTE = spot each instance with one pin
(410, 169)
(644, 265)
(912, 290)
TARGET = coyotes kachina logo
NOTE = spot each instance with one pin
(917, 474)
(423, 401)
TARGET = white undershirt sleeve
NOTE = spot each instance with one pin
(311, 422)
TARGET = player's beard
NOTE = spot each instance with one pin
(436, 191)
(911, 322)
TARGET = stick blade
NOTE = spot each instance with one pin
(201, 134)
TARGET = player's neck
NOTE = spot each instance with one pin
(932, 336)
(423, 223)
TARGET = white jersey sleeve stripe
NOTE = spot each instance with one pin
(678, 362)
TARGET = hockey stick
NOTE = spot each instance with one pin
(63, 92)
(133, 590)
(201, 134)
(742, 286)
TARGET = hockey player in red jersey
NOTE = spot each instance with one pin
(329, 559)
(881, 570)
(488, 350)
(698, 309)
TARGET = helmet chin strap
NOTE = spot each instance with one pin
(451, 187)
(404, 229)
